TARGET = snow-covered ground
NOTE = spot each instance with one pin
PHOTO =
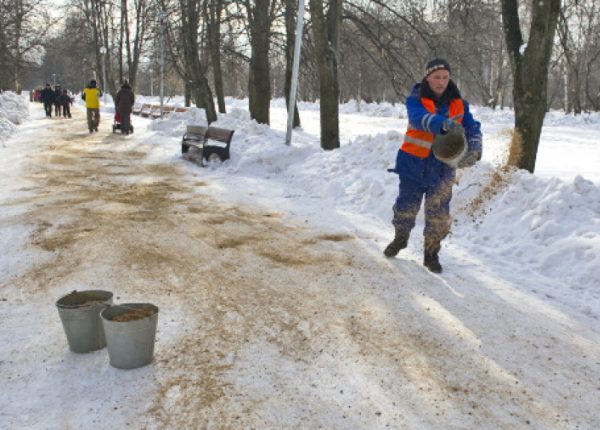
(526, 242)
(545, 225)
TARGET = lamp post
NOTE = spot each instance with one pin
(295, 66)
(162, 15)
(54, 79)
(104, 85)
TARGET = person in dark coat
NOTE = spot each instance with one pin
(435, 107)
(57, 100)
(124, 104)
(47, 97)
(66, 102)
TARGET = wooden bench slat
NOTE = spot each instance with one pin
(215, 141)
(154, 110)
(145, 110)
(220, 134)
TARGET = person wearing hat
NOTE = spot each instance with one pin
(47, 97)
(435, 107)
(91, 95)
(124, 104)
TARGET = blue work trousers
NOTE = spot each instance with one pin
(437, 210)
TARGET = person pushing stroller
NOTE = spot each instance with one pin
(123, 105)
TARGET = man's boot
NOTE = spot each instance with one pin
(431, 259)
(432, 262)
(400, 242)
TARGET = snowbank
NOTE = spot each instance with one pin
(13, 110)
(520, 221)
(548, 225)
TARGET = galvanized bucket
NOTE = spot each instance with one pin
(450, 148)
(79, 312)
(130, 333)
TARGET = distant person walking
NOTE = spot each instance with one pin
(123, 105)
(57, 100)
(66, 102)
(91, 95)
(47, 96)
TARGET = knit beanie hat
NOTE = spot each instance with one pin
(436, 64)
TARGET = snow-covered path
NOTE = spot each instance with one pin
(265, 321)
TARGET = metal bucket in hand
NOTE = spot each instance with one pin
(451, 147)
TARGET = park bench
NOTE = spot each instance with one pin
(181, 109)
(208, 143)
(155, 112)
(145, 110)
(136, 108)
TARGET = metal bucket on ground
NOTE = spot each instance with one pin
(79, 312)
(451, 147)
(130, 333)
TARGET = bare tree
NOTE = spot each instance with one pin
(195, 67)
(97, 13)
(260, 15)
(290, 31)
(325, 28)
(212, 15)
(529, 65)
(134, 48)
(24, 25)
(579, 44)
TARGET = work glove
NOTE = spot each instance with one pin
(469, 159)
(451, 124)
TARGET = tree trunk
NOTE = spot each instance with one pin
(3, 55)
(142, 19)
(188, 93)
(530, 74)
(259, 81)
(194, 67)
(290, 24)
(325, 31)
(123, 27)
(500, 80)
(17, 57)
(212, 14)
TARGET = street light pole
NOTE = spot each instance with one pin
(104, 85)
(162, 15)
(295, 66)
(54, 79)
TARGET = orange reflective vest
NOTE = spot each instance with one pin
(418, 142)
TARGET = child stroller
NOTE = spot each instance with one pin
(117, 123)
